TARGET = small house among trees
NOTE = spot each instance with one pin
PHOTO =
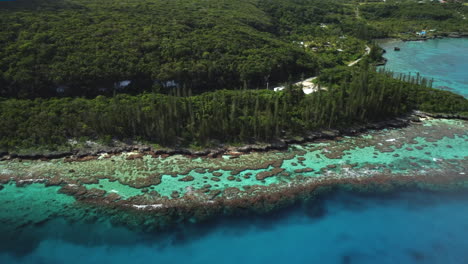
(122, 84)
(61, 89)
(170, 84)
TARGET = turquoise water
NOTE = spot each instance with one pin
(38, 224)
(414, 227)
(444, 60)
(403, 150)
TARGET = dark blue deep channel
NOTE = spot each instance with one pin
(409, 227)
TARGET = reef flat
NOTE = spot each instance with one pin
(154, 191)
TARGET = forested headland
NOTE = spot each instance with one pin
(193, 73)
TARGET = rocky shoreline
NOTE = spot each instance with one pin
(278, 144)
(440, 35)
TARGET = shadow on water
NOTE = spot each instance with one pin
(101, 232)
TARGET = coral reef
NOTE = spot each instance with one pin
(149, 190)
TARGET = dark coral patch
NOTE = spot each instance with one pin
(112, 197)
(187, 179)
(265, 174)
(200, 170)
(303, 170)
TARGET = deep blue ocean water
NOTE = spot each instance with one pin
(417, 227)
(444, 60)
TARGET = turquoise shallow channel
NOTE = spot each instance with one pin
(444, 60)
(401, 199)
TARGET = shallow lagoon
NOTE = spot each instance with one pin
(444, 60)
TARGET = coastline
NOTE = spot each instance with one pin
(252, 183)
(82, 154)
(279, 144)
(441, 35)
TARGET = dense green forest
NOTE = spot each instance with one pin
(85, 48)
(394, 17)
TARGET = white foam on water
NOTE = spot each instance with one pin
(32, 180)
(147, 206)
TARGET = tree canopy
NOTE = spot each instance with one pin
(84, 47)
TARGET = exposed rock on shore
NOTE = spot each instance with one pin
(279, 144)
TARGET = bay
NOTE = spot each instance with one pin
(443, 60)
